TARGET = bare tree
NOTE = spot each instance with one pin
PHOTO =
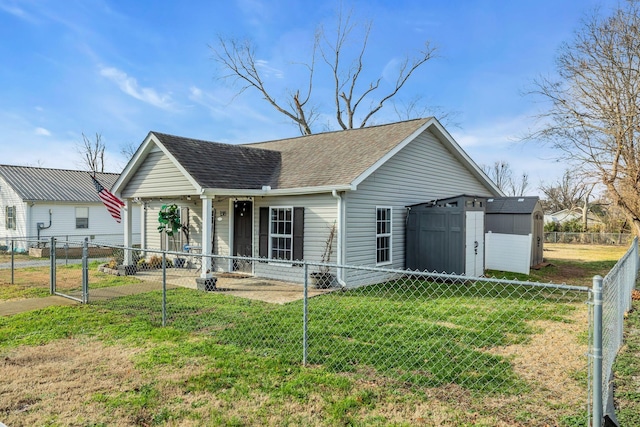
(594, 113)
(417, 107)
(92, 152)
(241, 64)
(502, 175)
(567, 192)
(571, 192)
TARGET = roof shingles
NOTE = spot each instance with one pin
(326, 159)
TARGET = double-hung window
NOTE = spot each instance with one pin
(82, 217)
(281, 233)
(383, 235)
(10, 218)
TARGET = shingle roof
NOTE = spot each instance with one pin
(217, 165)
(336, 158)
(511, 205)
(61, 185)
(332, 158)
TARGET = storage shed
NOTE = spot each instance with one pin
(446, 235)
(521, 216)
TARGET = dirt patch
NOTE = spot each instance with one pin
(58, 380)
(547, 362)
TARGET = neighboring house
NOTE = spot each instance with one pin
(38, 203)
(280, 199)
(575, 214)
(517, 233)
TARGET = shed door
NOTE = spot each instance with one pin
(474, 244)
(537, 254)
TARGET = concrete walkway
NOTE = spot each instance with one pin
(9, 308)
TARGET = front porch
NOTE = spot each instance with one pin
(236, 284)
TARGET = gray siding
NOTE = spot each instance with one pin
(423, 170)
(156, 177)
(521, 224)
(319, 215)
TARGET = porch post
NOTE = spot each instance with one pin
(127, 220)
(207, 236)
(143, 226)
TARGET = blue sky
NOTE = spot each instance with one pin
(122, 68)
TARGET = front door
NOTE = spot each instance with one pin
(242, 234)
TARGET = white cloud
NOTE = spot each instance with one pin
(42, 132)
(268, 70)
(16, 11)
(129, 85)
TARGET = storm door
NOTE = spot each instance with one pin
(242, 234)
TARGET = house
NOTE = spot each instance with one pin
(517, 233)
(575, 214)
(38, 203)
(288, 199)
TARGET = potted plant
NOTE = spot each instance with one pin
(323, 279)
(169, 219)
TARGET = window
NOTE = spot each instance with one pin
(82, 217)
(281, 233)
(10, 218)
(383, 235)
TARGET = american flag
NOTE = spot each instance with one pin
(111, 202)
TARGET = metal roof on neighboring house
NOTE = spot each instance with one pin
(511, 205)
(331, 158)
(55, 185)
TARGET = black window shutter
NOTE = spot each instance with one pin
(263, 231)
(298, 234)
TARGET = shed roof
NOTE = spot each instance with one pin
(55, 185)
(511, 205)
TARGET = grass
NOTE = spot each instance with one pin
(236, 351)
(626, 368)
(468, 355)
(33, 282)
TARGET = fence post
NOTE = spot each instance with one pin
(305, 316)
(597, 351)
(52, 267)
(85, 271)
(164, 289)
(12, 260)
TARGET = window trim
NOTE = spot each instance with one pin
(388, 235)
(276, 235)
(81, 217)
(14, 223)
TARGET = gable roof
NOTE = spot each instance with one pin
(336, 158)
(511, 205)
(217, 165)
(59, 185)
(325, 161)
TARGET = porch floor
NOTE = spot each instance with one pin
(240, 285)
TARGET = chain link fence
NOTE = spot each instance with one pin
(622, 239)
(615, 301)
(494, 345)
